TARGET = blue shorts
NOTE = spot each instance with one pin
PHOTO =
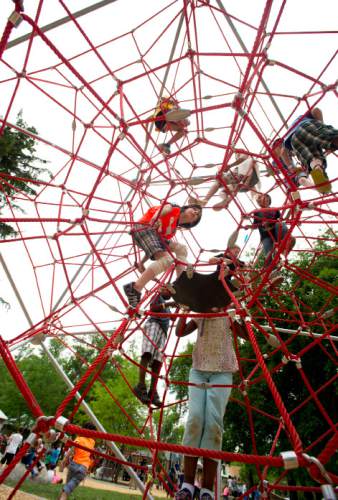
(204, 427)
(76, 474)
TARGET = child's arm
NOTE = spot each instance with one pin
(164, 210)
(286, 157)
(239, 329)
(239, 160)
(183, 328)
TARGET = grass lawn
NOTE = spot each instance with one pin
(52, 491)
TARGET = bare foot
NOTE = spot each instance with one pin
(196, 201)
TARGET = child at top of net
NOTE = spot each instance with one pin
(163, 123)
(308, 137)
(210, 379)
(242, 178)
(294, 174)
(154, 233)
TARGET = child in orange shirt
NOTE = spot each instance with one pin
(154, 233)
(80, 463)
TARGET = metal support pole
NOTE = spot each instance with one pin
(302, 333)
(59, 22)
(244, 48)
(89, 412)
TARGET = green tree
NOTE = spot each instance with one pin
(41, 378)
(19, 170)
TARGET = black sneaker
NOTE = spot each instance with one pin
(183, 494)
(133, 295)
(154, 398)
(140, 392)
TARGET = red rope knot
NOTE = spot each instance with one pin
(19, 5)
(43, 424)
(123, 128)
(237, 102)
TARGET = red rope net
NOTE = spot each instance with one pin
(91, 87)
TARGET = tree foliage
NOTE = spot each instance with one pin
(19, 170)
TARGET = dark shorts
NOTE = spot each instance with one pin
(7, 458)
(148, 239)
(160, 123)
(310, 139)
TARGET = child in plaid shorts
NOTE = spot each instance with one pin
(154, 340)
(308, 138)
(153, 233)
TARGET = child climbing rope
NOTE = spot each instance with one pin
(154, 233)
(272, 232)
(213, 364)
(242, 178)
(308, 138)
(154, 339)
(170, 117)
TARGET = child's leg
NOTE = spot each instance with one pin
(190, 464)
(268, 244)
(181, 253)
(216, 402)
(306, 182)
(155, 368)
(145, 360)
(209, 473)
(162, 262)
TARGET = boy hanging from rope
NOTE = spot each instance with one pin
(154, 234)
(170, 117)
(153, 343)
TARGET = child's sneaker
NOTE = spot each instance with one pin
(154, 398)
(164, 148)
(140, 392)
(183, 494)
(206, 496)
(133, 295)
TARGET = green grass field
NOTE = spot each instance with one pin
(52, 491)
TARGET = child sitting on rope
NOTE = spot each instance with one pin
(242, 178)
(272, 232)
(308, 138)
(170, 117)
(154, 340)
(210, 380)
(154, 233)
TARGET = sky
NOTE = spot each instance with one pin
(77, 84)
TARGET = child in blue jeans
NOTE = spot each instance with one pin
(214, 362)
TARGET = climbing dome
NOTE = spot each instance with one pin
(89, 81)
